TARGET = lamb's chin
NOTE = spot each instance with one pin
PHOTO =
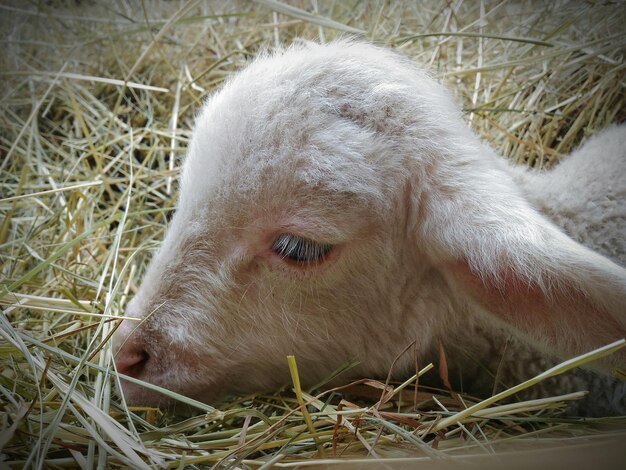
(138, 395)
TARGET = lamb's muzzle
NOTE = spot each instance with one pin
(130, 354)
(334, 205)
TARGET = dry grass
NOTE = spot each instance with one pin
(96, 106)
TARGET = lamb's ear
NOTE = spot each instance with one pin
(494, 248)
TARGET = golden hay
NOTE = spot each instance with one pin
(96, 109)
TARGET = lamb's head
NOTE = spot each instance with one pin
(325, 209)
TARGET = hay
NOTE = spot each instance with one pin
(97, 102)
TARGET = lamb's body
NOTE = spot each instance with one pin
(585, 194)
(349, 151)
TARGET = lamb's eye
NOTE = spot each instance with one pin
(300, 250)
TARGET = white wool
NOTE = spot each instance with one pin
(436, 239)
(586, 193)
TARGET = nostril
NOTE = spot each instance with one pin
(131, 362)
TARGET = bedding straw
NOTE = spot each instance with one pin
(97, 103)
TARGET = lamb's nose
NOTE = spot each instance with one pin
(131, 360)
(129, 349)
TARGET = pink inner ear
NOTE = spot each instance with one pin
(560, 316)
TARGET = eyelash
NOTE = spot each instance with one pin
(300, 250)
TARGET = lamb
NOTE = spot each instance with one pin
(334, 206)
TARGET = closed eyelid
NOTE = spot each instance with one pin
(299, 249)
